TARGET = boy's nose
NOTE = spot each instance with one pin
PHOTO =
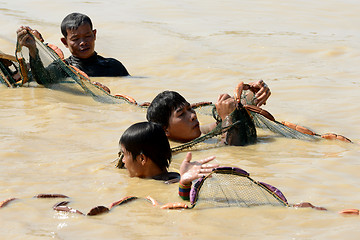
(193, 116)
(82, 42)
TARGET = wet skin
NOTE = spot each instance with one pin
(81, 41)
(183, 124)
(134, 167)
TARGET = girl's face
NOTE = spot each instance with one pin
(134, 166)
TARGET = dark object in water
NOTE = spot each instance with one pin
(46, 195)
(243, 131)
(98, 210)
(63, 203)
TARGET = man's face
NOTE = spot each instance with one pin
(80, 41)
(183, 124)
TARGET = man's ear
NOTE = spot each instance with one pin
(94, 32)
(166, 130)
(143, 159)
(63, 40)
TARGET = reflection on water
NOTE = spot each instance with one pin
(60, 142)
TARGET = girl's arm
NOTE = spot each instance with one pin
(190, 171)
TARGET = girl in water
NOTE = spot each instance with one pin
(147, 153)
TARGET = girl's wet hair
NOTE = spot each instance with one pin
(73, 21)
(162, 105)
(149, 139)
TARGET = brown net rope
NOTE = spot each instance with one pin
(50, 69)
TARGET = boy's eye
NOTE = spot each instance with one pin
(180, 113)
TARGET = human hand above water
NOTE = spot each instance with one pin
(26, 39)
(190, 171)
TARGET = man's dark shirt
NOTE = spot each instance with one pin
(98, 66)
(95, 66)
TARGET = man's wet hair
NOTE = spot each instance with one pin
(162, 105)
(74, 21)
(148, 138)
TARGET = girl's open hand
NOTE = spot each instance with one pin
(190, 171)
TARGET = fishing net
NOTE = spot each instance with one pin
(233, 187)
(265, 120)
(241, 129)
(49, 69)
(279, 128)
(9, 70)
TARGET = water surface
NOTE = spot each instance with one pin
(56, 142)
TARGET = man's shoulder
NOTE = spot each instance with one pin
(113, 63)
(97, 58)
(98, 66)
(109, 59)
(168, 177)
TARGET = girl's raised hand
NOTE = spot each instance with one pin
(189, 171)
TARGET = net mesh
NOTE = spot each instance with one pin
(232, 187)
(9, 67)
(278, 128)
(4, 76)
(50, 69)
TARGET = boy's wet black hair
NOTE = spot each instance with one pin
(149, 139)
(73, 21)
(162, 105)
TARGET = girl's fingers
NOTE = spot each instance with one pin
(188, 157)
(209, 166)
(206, 160)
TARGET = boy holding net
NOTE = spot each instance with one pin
(179, 119)
(79, 37)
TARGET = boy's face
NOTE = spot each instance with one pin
(80, 41)
(134, 168)
(183, 124)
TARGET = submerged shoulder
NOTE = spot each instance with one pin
(113, 63)
(109, 60)
(168, 177)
